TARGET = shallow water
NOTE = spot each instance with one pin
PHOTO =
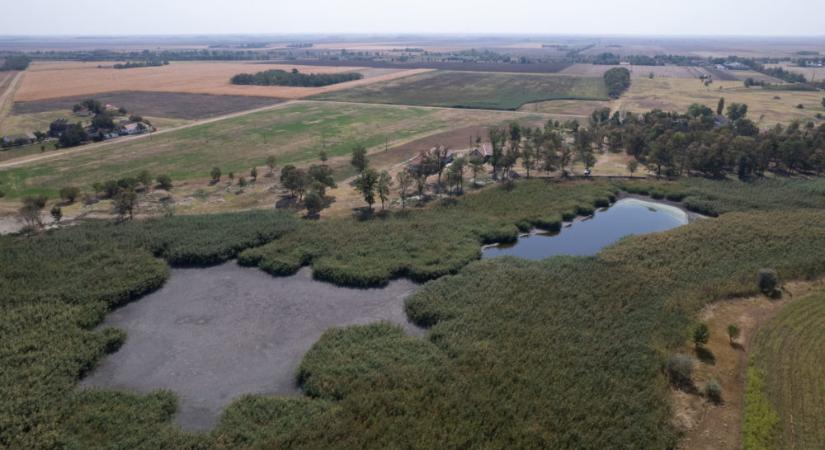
(587, 236)
(212, 335)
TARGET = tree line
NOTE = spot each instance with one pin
(15, 62)
(707, 143)
(147, 63)
(294, 78)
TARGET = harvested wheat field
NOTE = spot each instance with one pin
(66, 79)
(766, 107)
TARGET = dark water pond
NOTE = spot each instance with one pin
(212, 335)
(588, 236)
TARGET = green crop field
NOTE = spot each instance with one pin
(785, 400)
(474, 90)
(293, 133)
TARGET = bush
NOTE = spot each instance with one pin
(701, 335)
(69, 193)
(713, 391)
(768, 281)
(164, 182)
(680, 369)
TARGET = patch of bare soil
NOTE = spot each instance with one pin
(158, 104)
(706, 425)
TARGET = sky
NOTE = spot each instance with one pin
(586, 17)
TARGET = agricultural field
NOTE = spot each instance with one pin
(595, 70)
(156, 104)
(785, 404)
(9, 81)
(474, 90)
(295, 133)
(766, 107)
(69, 79)
(811, 73)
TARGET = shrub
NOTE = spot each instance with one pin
(164, 182)
(768, 281)
(69, 193)
(713, 391)
(733, 332)
(701, 335)
(601, 203)
(680, 369)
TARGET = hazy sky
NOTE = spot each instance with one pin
(637, 17)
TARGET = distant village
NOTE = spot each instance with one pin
(93, 122)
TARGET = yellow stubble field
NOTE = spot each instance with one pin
(65, 79)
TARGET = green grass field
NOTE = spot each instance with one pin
(292, 133)
(785, 400)
(474, 90)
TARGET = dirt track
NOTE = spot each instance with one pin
(85, 148)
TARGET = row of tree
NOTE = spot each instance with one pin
(294, 78)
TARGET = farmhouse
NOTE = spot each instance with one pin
(83, 112)
(484, 151)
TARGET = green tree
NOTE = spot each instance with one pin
(242, 182)
(366, 184)
(145, 179)
(733, 332)
(455, 176)
(69, 193)
(56, 213)
(253, 174)
(737, 111)
(323, 175)
(314, 203)
(476, 165)
(359, 158)
(720, 107)
(164, 182)
(31, 210)
(216, 175)
(405, 182)
(295, 180)
(73, 135)
(528, 158)
(632, 166)
(701, 335)
(384, 186)
(125, 203)
(270, 162)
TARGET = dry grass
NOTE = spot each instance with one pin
(9, 82)
(594, 70)
(673, 94)
(566, 109)
(815, 73)
(55, 80)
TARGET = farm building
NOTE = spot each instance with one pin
(484, 151)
